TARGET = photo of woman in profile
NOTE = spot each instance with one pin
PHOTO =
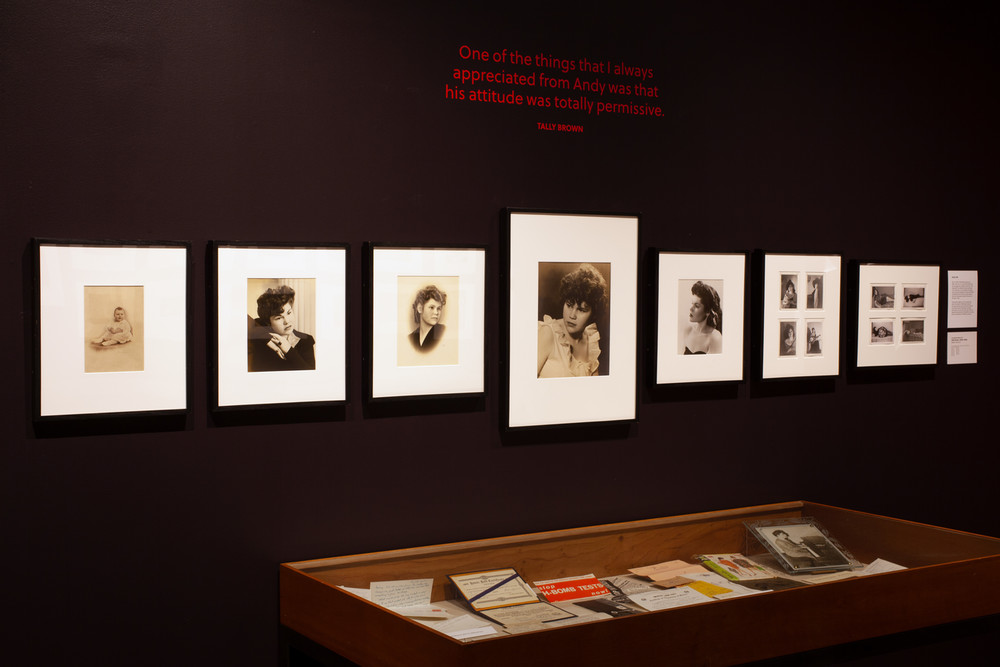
(570, 346)
(704, 335)
(273, 342)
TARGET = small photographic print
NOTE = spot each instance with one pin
(814, 291)
(883, 296)
(913, 331)
(427, 332)
(882, 332)
(281, 321)
(789, 291)
(788, 345)
(814, 338)
(801, 546)
(113, 326)
(700, 317)
(913, 297)
(573, 319)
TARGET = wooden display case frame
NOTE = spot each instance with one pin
(941, 564)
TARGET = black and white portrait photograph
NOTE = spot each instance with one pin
(814, 337)
(282, 330)
(913, 331)
(426, 332)
(700, 317)
(881, 332)
(113, 328)
(789, 291)
(883, 296)
(803, 548)
(573, 307)
(788, 345)
(913, 296)
(279, 316)
(694, 342)
(570, 311)
(429, 308)
(814, 291)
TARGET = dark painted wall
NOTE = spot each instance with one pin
(864, 130)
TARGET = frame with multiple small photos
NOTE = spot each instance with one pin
(897, 315)
(801, 334)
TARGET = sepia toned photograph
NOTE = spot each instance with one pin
(112, 328)
(881, 332)
(282, 325)
(789, 291)
(913, 331)
(883, 296)
(113, 324)
(814, 337)
(426, 331)
(428, 320)
(801, 545)
(570, 313)
(788, 345)
(573, 307)
(700, 317)
(280, 312)
(913, 296)
(814, 291)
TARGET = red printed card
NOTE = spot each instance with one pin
(571, 588)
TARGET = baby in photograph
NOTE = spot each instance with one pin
(116, 331)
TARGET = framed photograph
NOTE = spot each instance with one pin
(897, 315)
(801, 334)
(570, 318)
(801, 545)
(111, 328)
(282, 330)
(428, 319)
(699, 330)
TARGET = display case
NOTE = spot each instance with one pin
(943, 566)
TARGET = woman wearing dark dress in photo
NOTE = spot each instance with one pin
(704, 336)
(274, 343)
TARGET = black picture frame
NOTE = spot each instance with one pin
(599, 384)
(111, 332)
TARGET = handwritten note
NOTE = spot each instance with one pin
(402, 593)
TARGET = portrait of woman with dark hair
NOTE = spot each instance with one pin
(788, 347)
(427, 308)
(789, 294)
(570, 345)
(703, 334)
(274, 344)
